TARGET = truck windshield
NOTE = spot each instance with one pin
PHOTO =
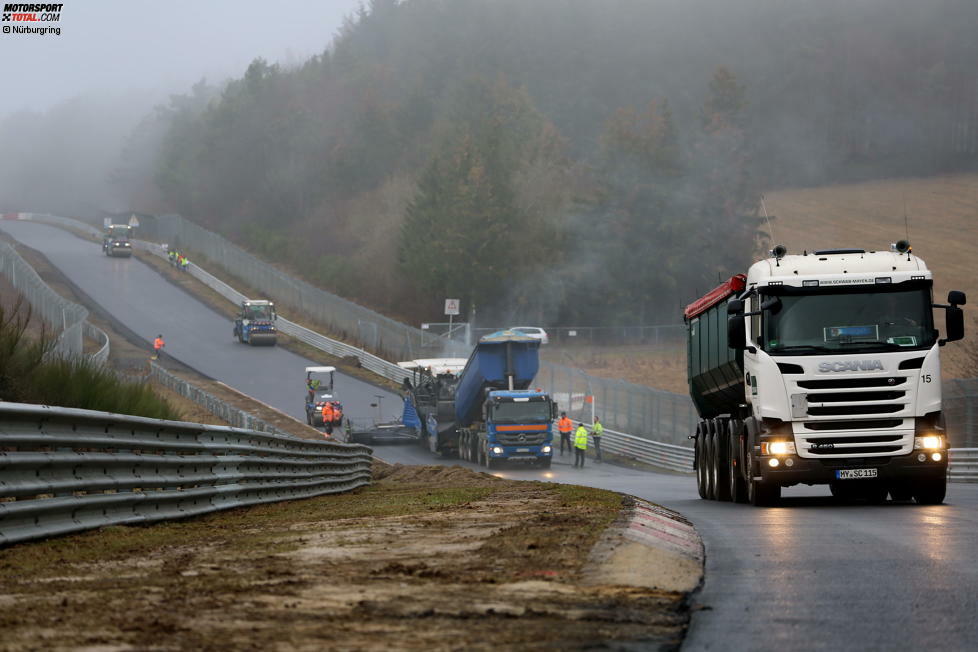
(259, 312)
(862, 319)
(522, 412)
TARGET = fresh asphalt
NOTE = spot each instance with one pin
(196, 335)
(808, 575)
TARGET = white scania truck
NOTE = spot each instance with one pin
(821, 368)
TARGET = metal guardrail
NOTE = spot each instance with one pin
(333, 347)
(666, 456)
(94, 332)
(226, 412)
(65, 470)
(962, 465)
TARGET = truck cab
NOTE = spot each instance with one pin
(255, 323)
(832, 376)
(516, 426)
(117, 240)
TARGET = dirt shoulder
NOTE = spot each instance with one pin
(425, 558)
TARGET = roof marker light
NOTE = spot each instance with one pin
(883, 279)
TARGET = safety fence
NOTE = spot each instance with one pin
(386, 337)
(62, 316)
(65, 470)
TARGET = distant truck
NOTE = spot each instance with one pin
(490, 415)
(255, 323)
(116, 240)
(821, 368)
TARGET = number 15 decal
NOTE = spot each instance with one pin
(925, 378)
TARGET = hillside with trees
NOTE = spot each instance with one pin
(560, 162)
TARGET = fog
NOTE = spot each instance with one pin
(615, 151)
(154, 48)
(71, 101)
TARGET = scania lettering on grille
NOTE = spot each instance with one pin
(851, 365)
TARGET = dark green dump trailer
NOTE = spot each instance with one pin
(715, 371)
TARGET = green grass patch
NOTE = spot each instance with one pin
(29, 373)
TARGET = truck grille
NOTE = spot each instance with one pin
(834, 417)
(867, 424)
(848, 383)
(521, 438)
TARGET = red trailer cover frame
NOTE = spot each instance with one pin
(734, 285)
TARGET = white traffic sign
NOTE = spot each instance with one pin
(451, 306)
(133, 221)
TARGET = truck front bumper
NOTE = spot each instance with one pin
(524, 453)
(823, 471)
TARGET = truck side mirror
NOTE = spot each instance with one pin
(553, 411)
(954, 326)
(736, 332)
(956, 298)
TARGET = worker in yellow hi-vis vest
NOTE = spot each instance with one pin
(580, 445)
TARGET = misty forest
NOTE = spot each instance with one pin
(548, 161)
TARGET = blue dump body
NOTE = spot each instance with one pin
(487, 369)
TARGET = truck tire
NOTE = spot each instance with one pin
(760, 493)
(711, 460)
(721, 449)
(738, 483)
(930, 491)
(901, 492)
(699, 457)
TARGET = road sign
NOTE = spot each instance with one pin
(451, 306)
(134, 221)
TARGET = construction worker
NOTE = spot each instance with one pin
(312, 384)
(564, 427)
(597, 430)
(158, 345)
(580, 445)
(328, 417)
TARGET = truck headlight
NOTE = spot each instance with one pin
(546, 449)
(928, 442)
(777, 448)
(497, 450)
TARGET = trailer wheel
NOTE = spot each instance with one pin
(710, 459)
(699, 458)
(721, 449)
(930, 491)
